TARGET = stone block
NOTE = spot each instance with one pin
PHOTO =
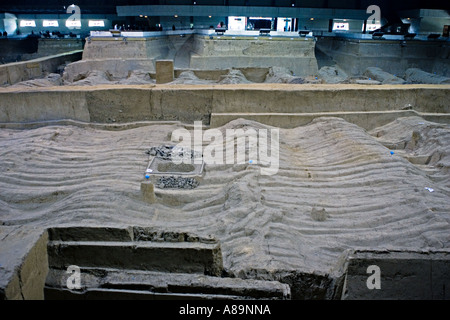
(148, 192)
(404, 275)
(164, 71)
(132, 284)
(185, 257)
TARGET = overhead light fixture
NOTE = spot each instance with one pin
(340, 26)
(146, 17)
(27, 23)
(96, 23)
(209, 16)
(176, 16)
(311, 19)
(50, 23)
(141, 15)
(73, 24)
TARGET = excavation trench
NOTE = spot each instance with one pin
(146, 263)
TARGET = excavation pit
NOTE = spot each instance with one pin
(166, 174)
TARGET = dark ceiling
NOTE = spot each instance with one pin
(109, 6)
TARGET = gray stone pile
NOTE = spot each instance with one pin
(168, 152)
(163, 152)
(171, 182)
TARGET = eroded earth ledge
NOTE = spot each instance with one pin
(344, 198)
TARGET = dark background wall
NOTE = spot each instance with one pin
(109, 6)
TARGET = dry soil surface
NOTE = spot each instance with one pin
(337, 187)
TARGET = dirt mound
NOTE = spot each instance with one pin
(137, 77)
(333, 74)
(93, 78)
(233, 77)
(189, 77)
(415, 75)
(279, 75)
(382, 76)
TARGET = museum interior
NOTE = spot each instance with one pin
(224, 149)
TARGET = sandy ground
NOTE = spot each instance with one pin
(338, 187)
